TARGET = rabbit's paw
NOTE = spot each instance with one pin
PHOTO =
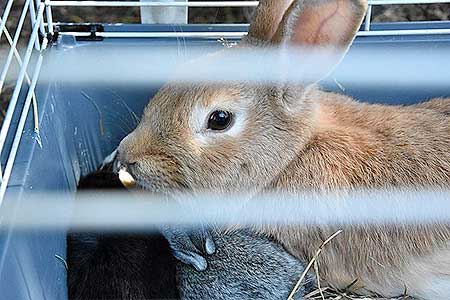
(190, 246)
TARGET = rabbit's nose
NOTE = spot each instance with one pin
(123, 164)
(124, 161)
(125, 167)
(126, 152)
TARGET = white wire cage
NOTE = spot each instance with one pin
(45, 28)
(23, 103)
(367, 29)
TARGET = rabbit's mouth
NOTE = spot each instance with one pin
(145, 176)
(132, 179)
(132, 182)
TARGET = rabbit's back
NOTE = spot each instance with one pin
(440, 105)
(359, 145)
(365, 146)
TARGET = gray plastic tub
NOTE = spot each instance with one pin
(82, 124)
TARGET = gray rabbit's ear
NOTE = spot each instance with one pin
(267, 18)
(324, 29)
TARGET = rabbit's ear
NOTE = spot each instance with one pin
(329, 23)
(267, 18)
(317, 25)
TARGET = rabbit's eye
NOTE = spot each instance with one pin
(220, 120)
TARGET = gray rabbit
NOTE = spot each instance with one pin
(245, 266)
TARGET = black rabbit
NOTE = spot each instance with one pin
(128, 266)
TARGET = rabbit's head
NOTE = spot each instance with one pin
(240, 136)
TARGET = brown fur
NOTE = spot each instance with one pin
(295, 138)
(358, 145)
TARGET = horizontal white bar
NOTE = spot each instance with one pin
(154, 4)
(158, 64)
(204, 34)
(404, 32)
(124, 211)
(210, 3)
(389, 2)
(230, 34)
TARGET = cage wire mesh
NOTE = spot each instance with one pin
(27, 27)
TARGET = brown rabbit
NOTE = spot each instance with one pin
(294, 137)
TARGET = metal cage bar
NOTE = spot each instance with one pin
(154, 4)
(48, 12)
(13, 46)
(368, 18)
(366, 31)
(210, 3)
(5, 16)
(33, 19)
(230, 34)
(19, 62)
(20, 126)
(44, 11)
(402, 2)
(22, 72)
